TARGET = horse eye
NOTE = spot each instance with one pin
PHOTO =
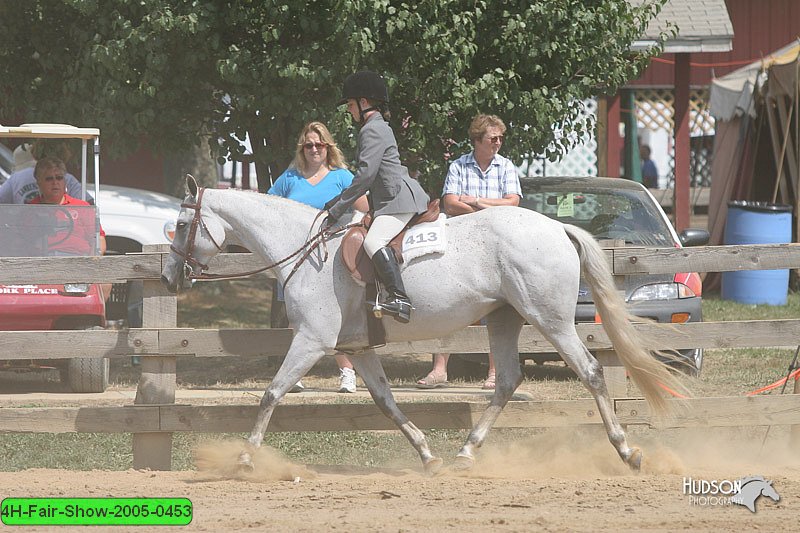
(181, 225)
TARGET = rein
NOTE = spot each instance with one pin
(313, 242)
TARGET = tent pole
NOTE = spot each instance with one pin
(783, 152)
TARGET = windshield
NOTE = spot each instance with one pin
(48, 230)
(628, 215)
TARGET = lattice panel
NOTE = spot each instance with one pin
(580, 161)
(700, 120)
(655, 110)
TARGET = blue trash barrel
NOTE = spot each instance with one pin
(757, 223)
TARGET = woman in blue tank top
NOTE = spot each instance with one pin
(317, 174)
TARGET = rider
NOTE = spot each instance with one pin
(394, 196)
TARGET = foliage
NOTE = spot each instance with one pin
(168, 72)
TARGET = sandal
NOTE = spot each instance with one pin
(489, 383)
(432, 381)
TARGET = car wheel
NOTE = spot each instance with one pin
(698, 363)
(88, 374)
(689, 362)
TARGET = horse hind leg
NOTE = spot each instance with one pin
(589, 371)
(369, 367)
(504, 326)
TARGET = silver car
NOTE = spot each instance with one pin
(618, 212)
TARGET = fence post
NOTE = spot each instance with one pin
(157, 381)
(613, 369)
(614, 373)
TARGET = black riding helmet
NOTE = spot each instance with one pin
(364, 84)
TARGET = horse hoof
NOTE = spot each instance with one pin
(245, 462)
(434, 466)
(463, 463)
(635, 460)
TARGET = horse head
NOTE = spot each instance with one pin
(197, 237)
(769, 491)
(752, 488)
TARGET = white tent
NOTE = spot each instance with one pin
(753, 107)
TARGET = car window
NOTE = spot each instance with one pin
(48, 230)
(606, 214)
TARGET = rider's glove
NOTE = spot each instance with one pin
(329, 222)
(335, 213)
(332, 202)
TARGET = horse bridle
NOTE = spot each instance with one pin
(189, 261)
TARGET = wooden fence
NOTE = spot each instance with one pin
(154, 417)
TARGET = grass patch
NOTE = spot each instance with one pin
(242, 303)
(103, 451)
(733, 372)
(718, 310)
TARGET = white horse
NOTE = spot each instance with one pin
(509, 264)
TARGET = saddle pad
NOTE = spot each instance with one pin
(426, 238)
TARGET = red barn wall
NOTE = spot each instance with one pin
(759, 26)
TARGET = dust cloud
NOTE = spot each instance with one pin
(220, 458)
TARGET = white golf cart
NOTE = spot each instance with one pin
(54, 230)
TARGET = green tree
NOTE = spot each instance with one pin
(177, 73)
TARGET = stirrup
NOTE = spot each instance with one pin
(400, 310)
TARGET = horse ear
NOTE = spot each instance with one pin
(191, 185)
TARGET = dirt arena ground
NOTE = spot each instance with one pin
(557, 481)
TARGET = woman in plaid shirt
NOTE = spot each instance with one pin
(477, 180)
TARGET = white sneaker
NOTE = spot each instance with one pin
(347, 380)
(298, 387)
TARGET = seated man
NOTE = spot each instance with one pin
(21, 187)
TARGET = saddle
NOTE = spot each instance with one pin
(354, 256)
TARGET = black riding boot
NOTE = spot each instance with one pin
(398, 304)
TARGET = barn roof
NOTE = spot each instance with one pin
(703, 26)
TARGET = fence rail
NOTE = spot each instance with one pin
(155, 419)
(154, 416)
(188, 342)
(624, 261)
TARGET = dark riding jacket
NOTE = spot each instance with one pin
(391, 190)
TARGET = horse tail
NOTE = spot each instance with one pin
(646, 371)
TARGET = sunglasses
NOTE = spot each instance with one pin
(495, 139)
(318, 146)
(54, 178)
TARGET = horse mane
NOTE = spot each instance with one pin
(266, 199)
(248, 205)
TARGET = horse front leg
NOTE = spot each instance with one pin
(369, 367)
(504, 326)
(303, 354)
